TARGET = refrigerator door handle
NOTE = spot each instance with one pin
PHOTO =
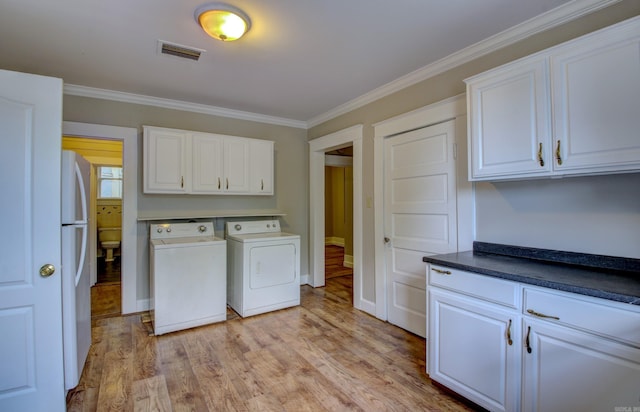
(83, 253)
(83, 194)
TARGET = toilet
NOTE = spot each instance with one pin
(109, 222)
(109, 238)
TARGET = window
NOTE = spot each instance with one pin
(109, 182)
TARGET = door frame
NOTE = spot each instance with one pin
(448, 109)
(129, 254)
(351, 136)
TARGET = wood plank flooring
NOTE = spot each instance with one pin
(333, 262)
(106, 300)
(321, 355)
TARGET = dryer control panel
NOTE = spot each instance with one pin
(253, 226)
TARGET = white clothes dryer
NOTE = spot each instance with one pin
(263, 267)
(188, 276)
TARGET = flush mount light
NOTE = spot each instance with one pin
(222, 21)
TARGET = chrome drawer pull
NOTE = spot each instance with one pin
(442, 272)
(541, 315)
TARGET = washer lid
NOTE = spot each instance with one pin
(263, 237)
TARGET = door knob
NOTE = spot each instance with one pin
(47, 270)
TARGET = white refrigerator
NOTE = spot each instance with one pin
(76, 287)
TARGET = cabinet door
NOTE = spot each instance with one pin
(472, 350)
(596, 94)
(509, 121)
(261, 164)
(165, 158)
(236, 165)
(207, 169)
(568, 370)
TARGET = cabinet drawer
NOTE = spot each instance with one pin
(590, 314)
(483, 287)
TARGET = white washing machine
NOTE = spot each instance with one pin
(188, 276)
(264, 267)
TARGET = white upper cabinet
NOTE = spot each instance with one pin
(261, 158)
(596, 98)
(180, 161)
(236, 165)
(510, 120)
(207, 163)
(165, 159)
(572, 109)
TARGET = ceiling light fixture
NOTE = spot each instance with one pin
(222, 21)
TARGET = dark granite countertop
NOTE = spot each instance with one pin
(606, 277)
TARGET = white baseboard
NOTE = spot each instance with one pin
(304, 280)
(348, 261)
(334, 241)
(366, 306)
(143, 305)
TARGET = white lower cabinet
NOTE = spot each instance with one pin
(472, 349)
(508, 346)
(570, 370)
(580, 353)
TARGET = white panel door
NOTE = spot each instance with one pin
(420, 216)
(236, 165)
(31, 359)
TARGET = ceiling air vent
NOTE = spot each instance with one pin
(178, 50)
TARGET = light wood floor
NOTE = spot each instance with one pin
(322, 355)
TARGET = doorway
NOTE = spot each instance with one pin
(105, 221)
(129, 242)
(339, 213)
(351, 136)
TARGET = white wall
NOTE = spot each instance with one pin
(595, 214)
(291, 170)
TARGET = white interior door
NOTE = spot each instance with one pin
(31, 375)
(419, 216)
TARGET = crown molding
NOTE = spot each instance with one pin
(556, 17)
(84, 91)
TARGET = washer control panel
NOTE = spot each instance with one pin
(253, 226)
(173, 230)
